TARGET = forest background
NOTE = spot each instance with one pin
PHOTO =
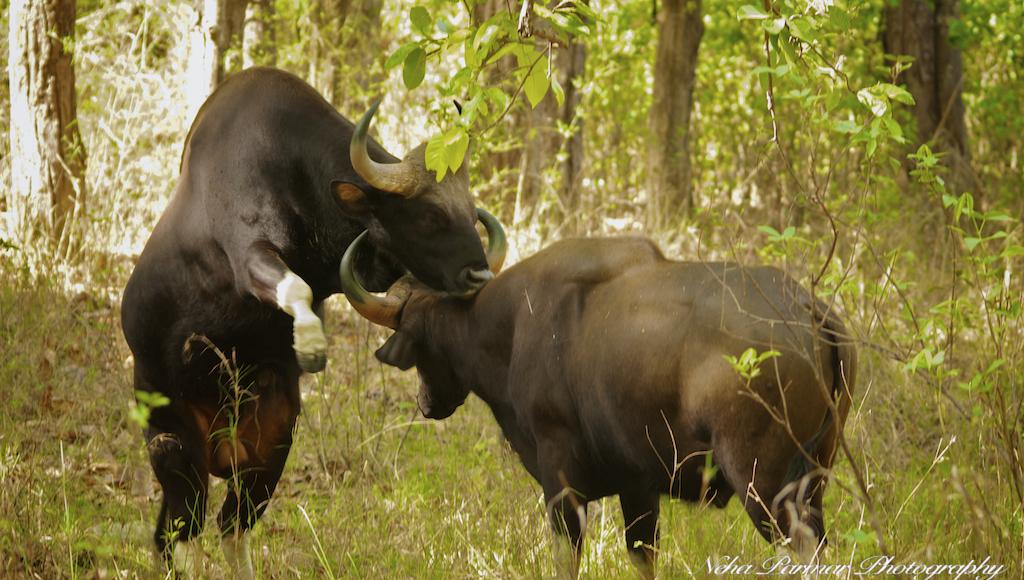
(872, 149)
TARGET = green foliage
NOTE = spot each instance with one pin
(142, 409)
(482, 47)
(748, 364)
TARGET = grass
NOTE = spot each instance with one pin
(372, 489)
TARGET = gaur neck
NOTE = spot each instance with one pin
(477, 344)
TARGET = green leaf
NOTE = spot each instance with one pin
(801, 29)
(526, 54)
(502, 52)
(972, 243)
(1012, 252)
(585, 11)
(447, 151)
(472, 55)
(894, 129)
(435, 157)
(556, 89)
(840, 19)
(897, 93)
(748, 12)
(537, 82)
(474, 105)
(484, 35)
(497, 97)
(420, 19)
(778, 71)
(871, 100)
(415, 68)
(846, 126)
(774, 25)
(997, 216)
(399, 55)
(995, 365)
(872, 146)
(456, 145)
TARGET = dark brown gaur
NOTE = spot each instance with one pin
(275, 185)
(606, 366)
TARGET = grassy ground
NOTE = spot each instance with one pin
(390, 494)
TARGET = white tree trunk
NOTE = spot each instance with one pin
(216, 24)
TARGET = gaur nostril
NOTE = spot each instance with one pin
(475, 277)
(481, 276)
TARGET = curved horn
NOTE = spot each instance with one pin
(497, 244)
(383, 311)
(398, 178)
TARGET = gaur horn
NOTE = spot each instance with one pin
(385, 310)
(497, 244)
(398, 178)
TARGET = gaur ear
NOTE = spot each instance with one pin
(399, 351)
(352, 199)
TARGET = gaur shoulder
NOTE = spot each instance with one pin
(593, 260)
(264, 75)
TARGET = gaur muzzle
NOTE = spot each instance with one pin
(386, 310)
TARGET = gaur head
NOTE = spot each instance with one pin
(429, 226)
(414, 311)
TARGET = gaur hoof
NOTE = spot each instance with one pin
(312, 362)
(310, 345)
(164, 444)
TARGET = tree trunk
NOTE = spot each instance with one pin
(498, 165)
(258, 34)
(572, 63)
(47, 154)
(540, 147)
(668, 161)
(325, 38)
(217, 23)
(935, 79)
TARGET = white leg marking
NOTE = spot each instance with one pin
(296, 298)
(236, 553)
(188, 559)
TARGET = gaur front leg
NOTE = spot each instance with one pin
(272, 281)
(175, 452)
(640, 513)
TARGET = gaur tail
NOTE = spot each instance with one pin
(821, 446)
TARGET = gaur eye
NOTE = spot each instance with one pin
(433, 220)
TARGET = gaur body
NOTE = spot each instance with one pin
(274, 186)
(605, 366)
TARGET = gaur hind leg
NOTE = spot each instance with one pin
(177, 454)
(640, 513)
(802, 497)
(761, 471)
(799, 501)
(266, 434)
